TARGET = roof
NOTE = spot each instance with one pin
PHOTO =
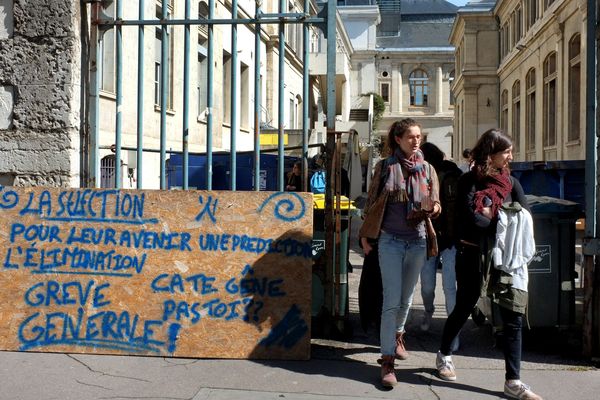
(418, 34)
(410, 24)
(407, 6)
(427, 7)
(475, 6)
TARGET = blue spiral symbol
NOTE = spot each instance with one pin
(290, 208)
(9, 199)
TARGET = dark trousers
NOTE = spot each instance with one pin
(468, 281)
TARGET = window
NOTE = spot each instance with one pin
(504, 110)
(202, 77)
(226, 87)
(518, 24)
(106, 72)
(547, 3)
(315, 42)
(290, 29)
(244, 95)
(108, 171)
(203, 14)
(202, 63)
(530, 109)
(516, 115)
(514, 26)
(450, 83)
(532, 10)
(550, 100)
(418, 83)
(502, 40)
(158, 57)
(574, 88)
(384, 89)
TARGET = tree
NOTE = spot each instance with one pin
(378, 107)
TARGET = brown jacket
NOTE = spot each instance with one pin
(377, 200)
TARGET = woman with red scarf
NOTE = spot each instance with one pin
(402, 196)
(481, 193)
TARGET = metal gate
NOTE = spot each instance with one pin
(121, 108)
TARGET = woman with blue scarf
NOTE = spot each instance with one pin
(402, 198)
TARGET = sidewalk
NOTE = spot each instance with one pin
(337, 369)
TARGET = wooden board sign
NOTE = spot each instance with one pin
(168, 273)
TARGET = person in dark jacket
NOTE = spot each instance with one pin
(481, 193)
(445, 229)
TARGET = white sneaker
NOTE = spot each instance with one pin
(445, 367)
(520, 391)
(426, 321)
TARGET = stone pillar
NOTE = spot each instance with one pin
(396, 89)
(471, 117)
(400, 89)
(40, 60)
(438, 90)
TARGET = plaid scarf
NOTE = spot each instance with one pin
(414, 190)
(497, 187)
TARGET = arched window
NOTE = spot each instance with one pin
(504, 110)
(530, 109)
(516, 115)
(550, 100)
(574, 88)
(107, 171)
(418, 82)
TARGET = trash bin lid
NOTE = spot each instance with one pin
(552, 205)
(345, 203)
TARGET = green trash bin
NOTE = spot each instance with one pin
(319, 278)
(552, 271)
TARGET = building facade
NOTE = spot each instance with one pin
(402, 52)
(49, 65)
(521, 67)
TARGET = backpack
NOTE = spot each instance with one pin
(317, 182)
(446, 224)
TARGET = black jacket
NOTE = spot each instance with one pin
(474, 227)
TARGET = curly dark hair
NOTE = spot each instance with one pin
(491, 142)
(398, 129)
(433, 154)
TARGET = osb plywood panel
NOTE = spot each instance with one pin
(187, 274)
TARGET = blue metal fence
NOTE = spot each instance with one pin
(103, 21)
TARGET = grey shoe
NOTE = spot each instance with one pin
(520, 391)
(445, 367)
(426, 321)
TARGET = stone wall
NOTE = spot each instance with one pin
(40, 70)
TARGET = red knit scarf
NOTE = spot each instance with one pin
(497, 188)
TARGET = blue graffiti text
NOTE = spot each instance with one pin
(74, 292)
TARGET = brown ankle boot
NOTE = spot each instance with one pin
(388, 376)
(401, 352)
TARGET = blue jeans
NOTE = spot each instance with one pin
(400, 262)
(428, 280)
